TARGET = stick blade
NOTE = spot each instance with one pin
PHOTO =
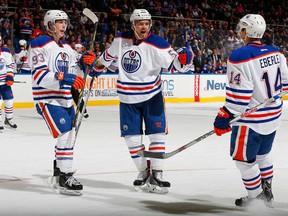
(88, 13)
(151, 154)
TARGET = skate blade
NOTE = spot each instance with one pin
(144, 187)
(9, 127)
(53, 182)
(269, 204)
(157, 189)
(65, 191)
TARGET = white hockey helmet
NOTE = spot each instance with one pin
(22, 42)
(140, 14)
(78, 46)
(254, 24)
(53, 15)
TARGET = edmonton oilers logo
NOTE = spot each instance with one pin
(62, 62)
(131, 61)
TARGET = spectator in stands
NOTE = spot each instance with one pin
(207, 69)
(36, 31)
(215, 55)
(220, 69)
(198, 61)
(26, 26)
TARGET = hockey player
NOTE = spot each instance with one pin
(140, 56)
(255, 72)
(54, 69)
(6, 81)
(21, 58)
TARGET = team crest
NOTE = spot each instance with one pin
(62, 62)
(131, 61)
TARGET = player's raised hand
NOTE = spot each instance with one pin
(89, 58)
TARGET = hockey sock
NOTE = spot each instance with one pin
(134, 144)
(157, 144)
(251, 177)
(8, 109)
(63, 153)
(266, 165)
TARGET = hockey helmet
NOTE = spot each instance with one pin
(22, 42)
(254, 24)
(78, 46)
(53, 15)
(140, 14)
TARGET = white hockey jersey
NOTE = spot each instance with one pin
(21, 64)
(255, 73)
(6, 64)
(45, 58)
(139, 65)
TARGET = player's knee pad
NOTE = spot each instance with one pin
(63, 140)
(133, 141)
(247, 169)
(264, 158)
(8, 103)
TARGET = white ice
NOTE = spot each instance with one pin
(204, 179)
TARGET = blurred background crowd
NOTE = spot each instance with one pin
(208, 25)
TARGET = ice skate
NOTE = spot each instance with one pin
(10, 123)
(267, 188)
(247, 201)
(141, 182)
(68, 185)
(54, 180)
(157, 183)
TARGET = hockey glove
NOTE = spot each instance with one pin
(185, 55)
(23, 59)
(97, 69)
(9, 79)
(70, 79)
(222, 120)
(89, 58)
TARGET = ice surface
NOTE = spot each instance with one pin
(204, 179)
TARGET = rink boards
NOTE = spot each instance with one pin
(177, 88)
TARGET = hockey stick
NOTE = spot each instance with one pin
(16, 81)
(170, 154)
(78, 119)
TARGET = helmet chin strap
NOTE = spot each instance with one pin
(54, 32)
